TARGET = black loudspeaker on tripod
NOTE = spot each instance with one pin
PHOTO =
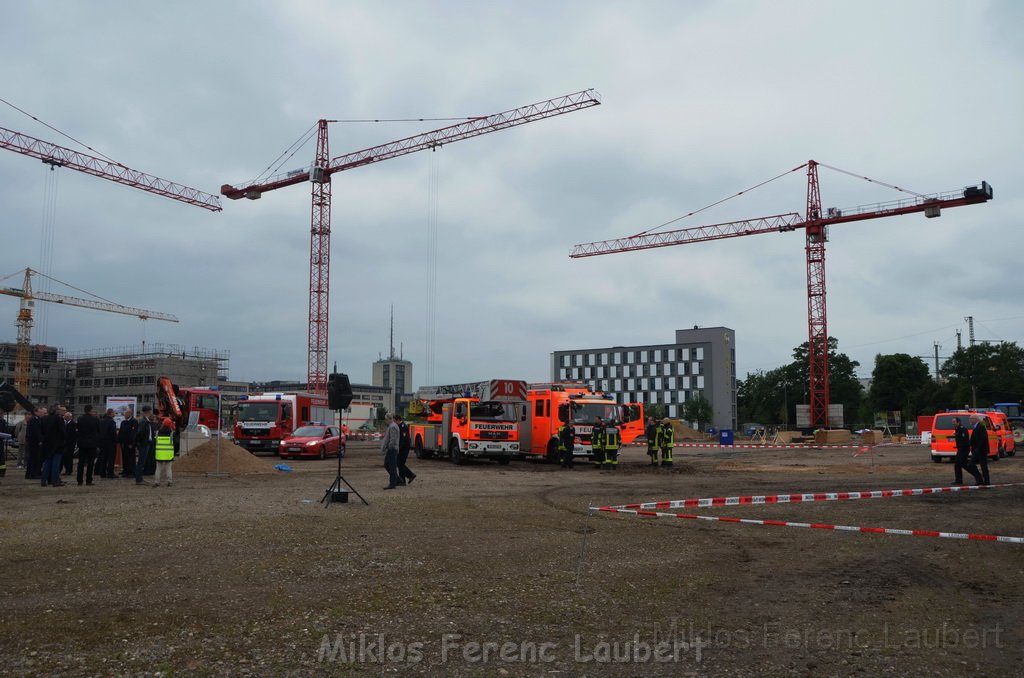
(339, 396)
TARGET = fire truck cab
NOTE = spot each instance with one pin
(553, 404)
(464, 421)
(265, 419)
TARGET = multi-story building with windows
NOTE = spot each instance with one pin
(395, 374)
(701, 362)
(93, 376)
(46, 378)
(90, 377)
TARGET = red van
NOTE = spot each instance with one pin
(943, 440)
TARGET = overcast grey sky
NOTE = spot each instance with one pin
(700, 100)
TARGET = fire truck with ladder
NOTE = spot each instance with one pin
(463, 421)
(552, 404)
(264, 419)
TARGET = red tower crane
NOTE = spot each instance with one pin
(58, 156)
(815, 225)
(324, 166)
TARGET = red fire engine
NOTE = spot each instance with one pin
(551, 405)
(479, 419)
(265, 419)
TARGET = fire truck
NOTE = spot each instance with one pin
(462, 421)
(552, 404)
(264, 419)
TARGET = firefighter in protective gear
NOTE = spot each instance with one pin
(566, 443)
(665, 439)
(611, 446)
(597, 434)
(651, 433)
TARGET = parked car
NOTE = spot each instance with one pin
(313, 440)
(943, 441)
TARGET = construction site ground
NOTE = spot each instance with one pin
(499, 570)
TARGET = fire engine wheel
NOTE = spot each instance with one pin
(419, 451)
(455, 452)
(323, 452)
(552, 457)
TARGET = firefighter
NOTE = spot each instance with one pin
(665, 439)
(651, 433)
(611, 446)
(597, 442)
(566, 443)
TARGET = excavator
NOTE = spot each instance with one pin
(11, 397)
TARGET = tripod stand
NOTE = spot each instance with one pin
(336, 485)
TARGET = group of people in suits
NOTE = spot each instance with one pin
(971, 452)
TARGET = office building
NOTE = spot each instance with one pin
(701, 362)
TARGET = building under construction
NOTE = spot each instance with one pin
(90, 377)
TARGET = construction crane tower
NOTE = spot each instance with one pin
(24, 321)
(319, 176)
(815, 224)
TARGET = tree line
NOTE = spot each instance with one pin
(978, 375)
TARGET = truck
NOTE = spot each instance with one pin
(552, 404)
(473, 420)
(1015, 419)
(265, 419)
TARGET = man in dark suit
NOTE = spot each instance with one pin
(53, 447)
(144, 439)
(108, 444)
(979, 449)
(126, 433)
(88, 441)
(962, 437)
(70, 441)
(34, 445)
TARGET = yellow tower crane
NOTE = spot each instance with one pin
(24, 321)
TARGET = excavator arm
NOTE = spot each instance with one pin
(169, 404)
(10, 396)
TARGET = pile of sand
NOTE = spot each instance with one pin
(233, 459)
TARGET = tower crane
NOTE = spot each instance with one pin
(24, 321)
(319, 175)
(815, 224)
(57, 156)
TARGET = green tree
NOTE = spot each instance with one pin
(899, 382)
(381, 413)
(768, 398)
(844, 387)
(699, 410)
(986, 373)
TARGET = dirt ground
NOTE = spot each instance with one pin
(498, 570)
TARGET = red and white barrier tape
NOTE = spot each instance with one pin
(795, 446)
(810, 446)
(651, 509)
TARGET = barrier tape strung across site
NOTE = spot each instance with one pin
(652, 509)
(801, 446)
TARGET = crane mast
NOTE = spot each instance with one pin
(319, 174)
(815, 223)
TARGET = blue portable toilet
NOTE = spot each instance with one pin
(725, 437)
